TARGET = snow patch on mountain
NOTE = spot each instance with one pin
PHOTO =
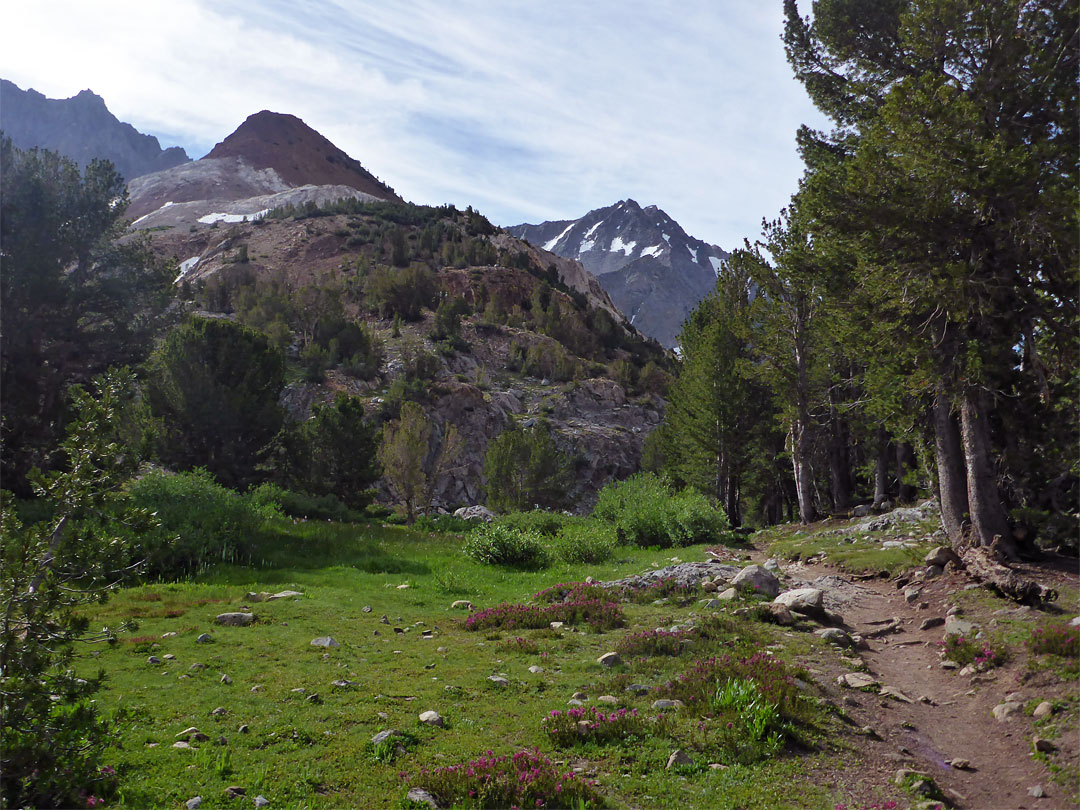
(652, 250)
(618, 245)
(219, 216)
(552, 242)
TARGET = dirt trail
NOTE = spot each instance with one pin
(950, 717)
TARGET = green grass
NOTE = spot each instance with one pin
(846, 549)
(300, 753)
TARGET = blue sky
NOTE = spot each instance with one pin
(525, 110)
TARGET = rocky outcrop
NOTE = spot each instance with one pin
(81, 128)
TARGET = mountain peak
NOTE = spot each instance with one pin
(299, 154)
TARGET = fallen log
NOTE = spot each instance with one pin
(981, 563)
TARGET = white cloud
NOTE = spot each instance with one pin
(527, 111)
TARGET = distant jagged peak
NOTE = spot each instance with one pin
(300, 155)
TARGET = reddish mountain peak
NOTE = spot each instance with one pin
(299, 154)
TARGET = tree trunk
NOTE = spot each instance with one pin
(980, 564)
(881, 469)
(804, 478)
(991, 527)
(949, 455)
(839, 467)
(905, 460)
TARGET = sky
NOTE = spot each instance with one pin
(528, 110)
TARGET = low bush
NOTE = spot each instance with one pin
(497, 544)
(582, 725)
(526, 779)
(517, 644)
(539, 521)
(646, 512)
(586, 542)
(301, 505)
(445, 524)
(600, 615)
(1055, 639)
(750, 727)
(652, 642)
(571, 591)
(980, 652)
(200, 523)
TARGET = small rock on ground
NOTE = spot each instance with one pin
(421, 796)
(1044, 709)
(431, 718)
(324, 641)
(193, 803)
(609, 659)
(204, 638)
(1004, 711)
(679, 757)
(235, 619)
(261, 801)
(665, 704)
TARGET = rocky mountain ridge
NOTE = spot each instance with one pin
(654, 271)
(81, 128)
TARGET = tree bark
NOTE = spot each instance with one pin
(881, 469)
(905, 460)
(952, 486)
(980, 563)
(839, 467)
(990, 525)
(804, 478)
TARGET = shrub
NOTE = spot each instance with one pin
(1055, 639)
(301, 505)
(586, 542)
(445, 524)
(981, 653)
(571, 591)
(646, 512)
(597, 613)
(200, 523)
(526, 779)
(539, 521)
(651, 642)
(750, 726)
(517, 644)
(496, 544)
(589, 725)
(525, 468)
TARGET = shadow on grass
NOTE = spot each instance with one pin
(311, 545)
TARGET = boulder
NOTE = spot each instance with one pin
(324, 641)
(235, 619)
(941, 556)
(476, 512)
(810, 601)
(1005, 711)
(664, 705)
(759, 579)
(431, 718)
(609, 659)
(856, 680)
(421, 796)
(955, 626)
(677, 758)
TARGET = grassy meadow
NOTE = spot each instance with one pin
(298, 750)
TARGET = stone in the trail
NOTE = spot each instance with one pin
(153, 659)
(204, 638)
(609, 659)
(219, 711)
(1043, 746)
(941, 556)
(225, 679)
(912, 594)
(431, 718)
(1044, 709)
(955, 626)
(1036, 792)
(638, 689)
(803, 600)
(235, 619)
(678, 757)
(324, 641)
(261, 801)
(235, 791)
(759, 579)
(772, 566)
(607, 699)
(664, 705)
(580, 696)
(835, 635)
(932, 622)
(856, 680)
(1005, 711)
(383, 736)
(421, 796)
(193, 803)
(895, 694)
(462, 604)
(181, 744)
(960, 764)
(536, 670)
(498, 680)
